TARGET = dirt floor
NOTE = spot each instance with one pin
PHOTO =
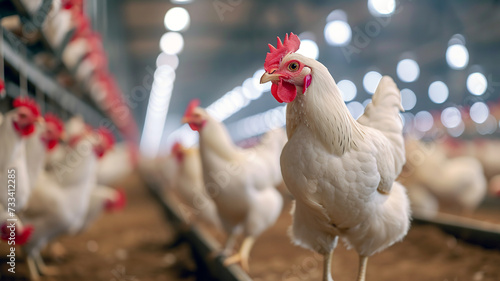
(425, 254)
(131, 246)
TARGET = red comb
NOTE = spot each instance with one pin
(107, 135)
(2, 88)
(27, 102)
(177, 147)
(273, 58)
(53, 119)
(191, 106)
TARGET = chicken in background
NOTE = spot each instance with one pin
(241, 182)
(17, 125)
(60, 200)
(159, 172)
(341, 171)
(485, 150)
(44, 140)
(118, 162)
(458, 184)
(102, 197)
(190, 187)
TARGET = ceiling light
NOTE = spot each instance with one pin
(347, 89)
(438, 92)
(177, 19)
(338, 33)
(408, 70)
(371, 80)
(477, 83)
(171, 43)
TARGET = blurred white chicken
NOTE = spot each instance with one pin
(191, 188)
(60, 200)
(43, 141)
(240, 181)
(458, 184)
(17, 125)
(103, 198)
(341, 171)
(118, 162)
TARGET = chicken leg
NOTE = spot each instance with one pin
(327, 261)
(243, 254)
(363, 261)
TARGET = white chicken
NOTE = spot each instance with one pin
(60, 200)
(458, 184)
(191, 188)
(341, 171)
(240, 181)
(16, 126)
(118, 162)
(43, 141)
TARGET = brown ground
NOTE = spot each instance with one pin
(130, 246)
(124, 246)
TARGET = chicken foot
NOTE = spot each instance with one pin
(363, 261)
(243, 254)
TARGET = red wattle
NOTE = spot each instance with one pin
(26, 131)
(284, 91)
(274, 91)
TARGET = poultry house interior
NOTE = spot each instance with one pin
(235, 140)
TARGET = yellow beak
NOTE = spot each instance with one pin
(185, 120)
(266, 77)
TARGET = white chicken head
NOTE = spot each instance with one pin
(195, 116)
(286, 69)
(54, 131)
(27, 113)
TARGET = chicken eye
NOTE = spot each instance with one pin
(294, 66)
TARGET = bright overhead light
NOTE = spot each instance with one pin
(371, 80)
(457, 56)
(171, 43)
(477, 83)
(438, 92)
(451, 117)
(356, 109)
(308, 48)
(408, 99)
(380, 8)
(408, 70)
(347, 89)
(181, 1)
(157, 110)
(338, 33)
(177, 19)
(164, 59)
(479, 112)
(423, 121)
